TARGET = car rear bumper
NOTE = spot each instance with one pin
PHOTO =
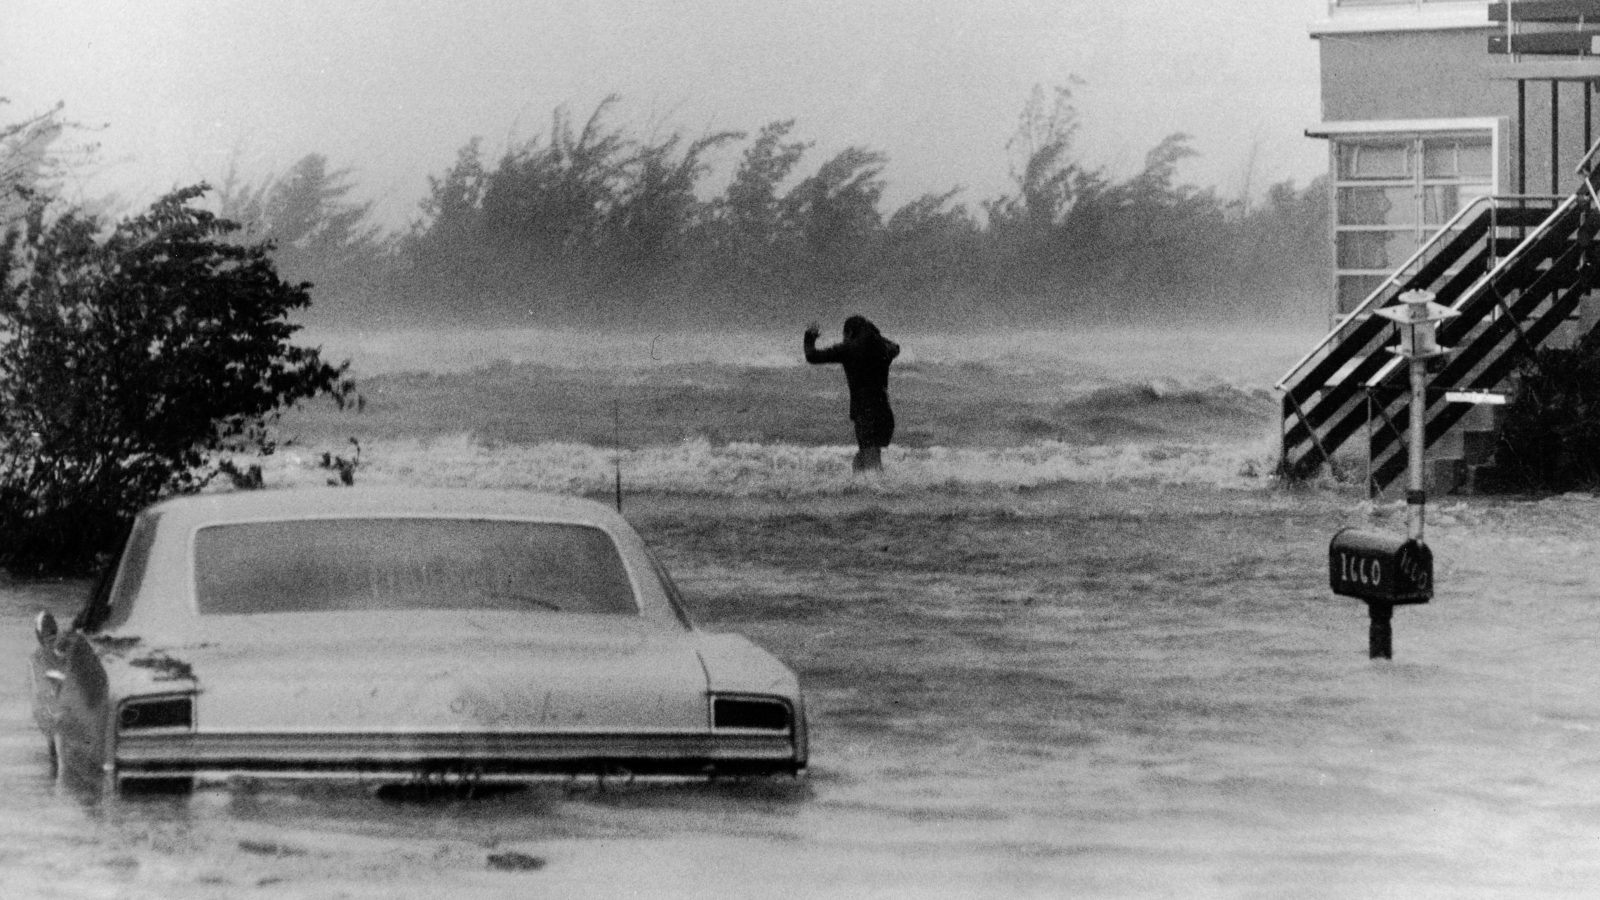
(484, 757)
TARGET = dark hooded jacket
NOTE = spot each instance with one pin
(865, 355)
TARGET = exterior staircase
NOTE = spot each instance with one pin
(1516, 270)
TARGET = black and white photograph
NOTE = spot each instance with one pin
(807, 449)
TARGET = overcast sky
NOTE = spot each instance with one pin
(392, 88)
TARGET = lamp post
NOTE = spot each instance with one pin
(1418, 317)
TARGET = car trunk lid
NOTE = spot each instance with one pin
(490, 676)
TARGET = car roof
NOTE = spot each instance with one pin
(198, 510)
(165, 601)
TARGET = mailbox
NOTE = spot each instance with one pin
(1379, 567)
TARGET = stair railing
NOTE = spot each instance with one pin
(1487, 280)
(1586, 166)
(1399, 276)
(1545, 297)
(1349, 343)
(1321, 373)
(1586, 170)
(1578, 212)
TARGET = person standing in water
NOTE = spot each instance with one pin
(865, 355)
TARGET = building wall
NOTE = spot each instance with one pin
(1395, 100)
(1427, 75)
(1410, 75)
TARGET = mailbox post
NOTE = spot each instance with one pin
(1382, 571)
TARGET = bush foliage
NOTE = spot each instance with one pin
(126, 360)
(1549, 439)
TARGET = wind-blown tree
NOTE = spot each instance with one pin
(580, 224)
(593, 225)
(651, 226)
(318, 234)
(748, 228)
(932, 253)
(546, 205)
(1042, 235)
(1073, 242)
(445, 253)
(1159, 234)
(29, 162)
(1048, 179)
(836, 212)
(127, 362)
(1279, 249)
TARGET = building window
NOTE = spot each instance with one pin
(1391, 193)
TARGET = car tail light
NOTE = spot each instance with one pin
(143, 713)
(757, 713)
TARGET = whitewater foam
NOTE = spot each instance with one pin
(740, 414)
(698, 466)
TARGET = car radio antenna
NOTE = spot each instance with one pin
(616, 446)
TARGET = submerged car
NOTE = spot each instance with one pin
(400, 636)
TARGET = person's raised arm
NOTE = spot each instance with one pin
(824, 355)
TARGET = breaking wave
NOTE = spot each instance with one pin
(742, 415)
(1167, 408)
(1126, 353)
(698, 466)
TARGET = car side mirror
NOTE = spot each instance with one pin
(45, 627)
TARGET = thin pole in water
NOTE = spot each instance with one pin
(1417, 495)
(616, 446)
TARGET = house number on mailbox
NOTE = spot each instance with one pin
(1360, 570)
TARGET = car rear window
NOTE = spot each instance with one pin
(345, 565)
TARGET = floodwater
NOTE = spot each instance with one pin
(1103, 681)
(1067, 693)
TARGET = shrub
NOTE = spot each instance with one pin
(1550, 439)
(127, 361)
